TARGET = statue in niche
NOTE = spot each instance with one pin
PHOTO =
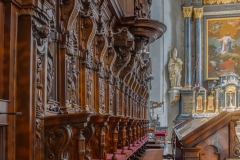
(174, 69)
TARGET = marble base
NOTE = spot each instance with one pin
(186, 105)
(202, 115)
(174, 95)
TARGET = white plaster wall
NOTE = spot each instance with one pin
(169, 13)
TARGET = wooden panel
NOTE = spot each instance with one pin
(210, 152)
(191, 153)
(3, 130)
(1, 47)
(3, 141)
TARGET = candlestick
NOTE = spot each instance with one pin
(193, 109)
(205, 101)
(205, 95)
(216, 109)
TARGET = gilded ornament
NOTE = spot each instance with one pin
(198, 12)
(187, 11)
(209, 2)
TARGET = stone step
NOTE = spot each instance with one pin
(154, 146)
(151, 141)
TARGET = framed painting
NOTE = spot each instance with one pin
(222, 46)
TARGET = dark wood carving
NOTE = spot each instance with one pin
(142, 8)
(88, 134)
(68, 66)
(40, 33)
(97, 143)
(130, 132)
(57, 142)
(122, 134)
(113, 131)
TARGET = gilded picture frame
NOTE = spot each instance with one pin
(222, 46)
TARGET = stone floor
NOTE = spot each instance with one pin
(167, 151)
(158, 153)
(153, 154)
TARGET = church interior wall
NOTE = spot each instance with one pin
(170, 13)
(162, 10)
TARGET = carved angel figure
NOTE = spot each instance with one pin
(174, 69)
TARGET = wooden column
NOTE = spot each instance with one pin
(130, 132)
(112, 136)
(122, 134)
(97, 142)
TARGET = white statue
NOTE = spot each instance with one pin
(174, 69)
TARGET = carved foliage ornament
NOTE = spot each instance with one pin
(219, 1)
(89, 91)
(111, 100)
(72, 79)
(39, 98)
(142, 8)
(51, 104)
(69, 12)
(101, 98)
(40, 33)
(198, 12)
(50, 74)
(88, 134)
(187, 12)
(57, 140)
(88, 30)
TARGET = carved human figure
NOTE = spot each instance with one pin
(175, 68)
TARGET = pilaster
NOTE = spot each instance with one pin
(187, 14)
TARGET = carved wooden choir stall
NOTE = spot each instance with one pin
(77, 72)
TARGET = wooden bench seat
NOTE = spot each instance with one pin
(128, 152)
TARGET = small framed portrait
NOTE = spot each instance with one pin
(222, 46)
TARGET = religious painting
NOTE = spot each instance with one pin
(222, 46)
(199, 103)
(210, 106)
